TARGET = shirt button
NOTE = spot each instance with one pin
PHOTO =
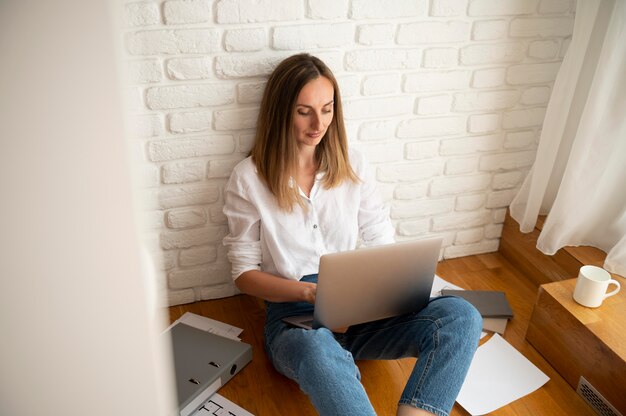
(314, 225)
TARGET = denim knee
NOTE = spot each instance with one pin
(461, 315)
(323, 369)
(311, 354)
(447, 346)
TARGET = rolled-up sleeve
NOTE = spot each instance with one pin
(243, 239)
(375, 226)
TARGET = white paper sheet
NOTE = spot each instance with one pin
(219, 405)
(439, 284)
(498, 375)
(209, 325)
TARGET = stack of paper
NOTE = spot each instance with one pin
(492, 305)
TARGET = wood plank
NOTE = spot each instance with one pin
(569, 258)
(584, 254)
(587, 255)
(582, 341)
(521, 250)
(263, 391)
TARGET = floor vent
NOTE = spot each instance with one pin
(595, 399)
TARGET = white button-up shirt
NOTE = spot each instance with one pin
(289, 244)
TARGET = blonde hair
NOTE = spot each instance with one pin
(275, 148)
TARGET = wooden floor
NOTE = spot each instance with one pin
(262, 391)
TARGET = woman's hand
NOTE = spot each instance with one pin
(275, 289)
(310, 290)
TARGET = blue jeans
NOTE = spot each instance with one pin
(443, 336)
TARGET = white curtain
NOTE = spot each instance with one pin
(579, 175)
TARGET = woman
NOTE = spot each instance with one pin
(302, 194)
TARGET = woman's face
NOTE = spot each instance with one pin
(314, 111)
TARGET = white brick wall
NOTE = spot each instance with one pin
(446, 98)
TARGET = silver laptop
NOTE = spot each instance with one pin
(372, 283)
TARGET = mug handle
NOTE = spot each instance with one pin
(613, 292)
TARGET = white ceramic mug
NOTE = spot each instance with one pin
(592, 285)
